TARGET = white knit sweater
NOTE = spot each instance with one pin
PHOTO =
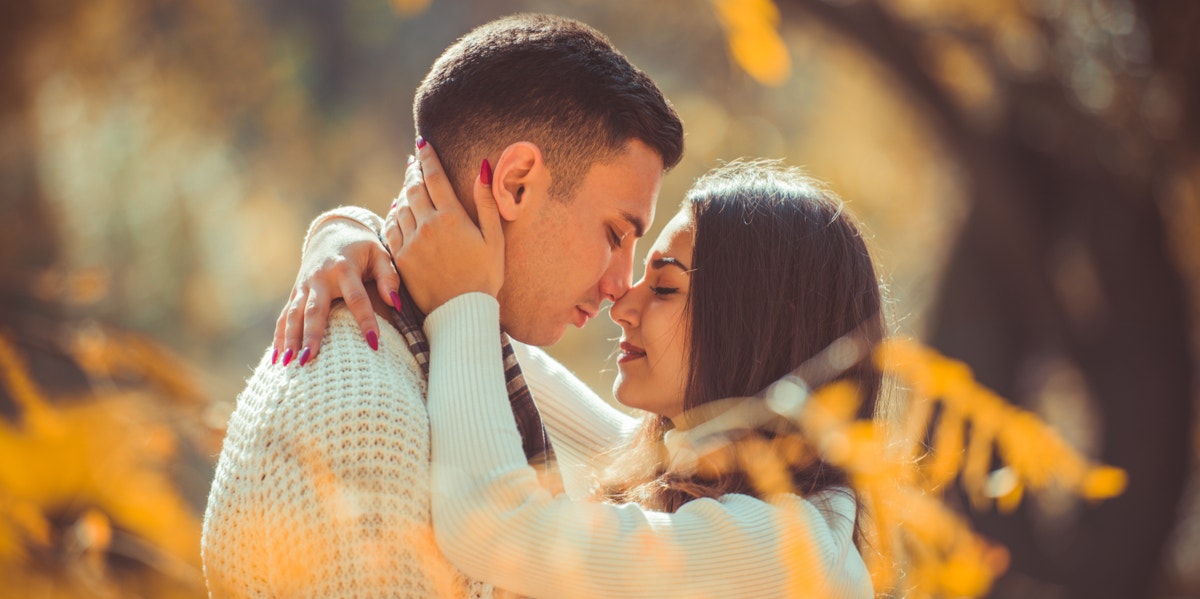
(493, 520)
(323, 484)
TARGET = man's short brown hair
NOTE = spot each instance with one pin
(548, 80)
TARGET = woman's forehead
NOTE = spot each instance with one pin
(676, 237)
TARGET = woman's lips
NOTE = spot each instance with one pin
(629, 352)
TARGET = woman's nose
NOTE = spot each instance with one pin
(626, 309)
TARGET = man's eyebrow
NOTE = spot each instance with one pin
(667, 260)
(639, 226)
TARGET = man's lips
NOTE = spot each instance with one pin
(629, 352)
(583, 316)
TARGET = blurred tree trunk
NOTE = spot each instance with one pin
(27, 239)
(29, 243)
(1064, 255)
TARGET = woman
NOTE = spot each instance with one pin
(759, 272)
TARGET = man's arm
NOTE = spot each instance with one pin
(322, 488)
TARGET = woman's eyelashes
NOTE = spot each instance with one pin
(663, 291)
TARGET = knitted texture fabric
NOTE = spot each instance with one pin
(323, 484)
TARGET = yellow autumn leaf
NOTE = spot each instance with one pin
(964, 576)
(767, 471)
(409, 8)
(1104, 482)
(948, 450)
(762, 53)
(752, 35)
(949, 378)
(107, 453)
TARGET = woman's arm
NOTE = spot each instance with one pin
(493, 521)
(341, 250)
(344, 248)
(582, 425)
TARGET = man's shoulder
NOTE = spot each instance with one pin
(327, 465)
(346, 376)
(347, 362)
(344, 338)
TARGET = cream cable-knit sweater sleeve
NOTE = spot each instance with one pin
(323, 484)
(493, 520)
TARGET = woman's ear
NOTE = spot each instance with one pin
(520, 180)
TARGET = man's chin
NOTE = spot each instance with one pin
(538, 336)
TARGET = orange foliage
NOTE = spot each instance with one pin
(752, 32)
(915, 545)
(87, 479)
(901, 479)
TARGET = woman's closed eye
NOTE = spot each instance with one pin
(663, 291)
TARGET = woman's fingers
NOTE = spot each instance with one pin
(391, 226)
(490, 227)
(394, 238)
(413, 170)
(440, 251)
(415, 193)
(437, 184)
(359, 304)
(279, 342)
(407, 221)
(489, 212)
(294, 326)
(387, 280)
(315, 318)
(392, 235)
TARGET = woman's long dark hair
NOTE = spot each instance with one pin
(780, 273)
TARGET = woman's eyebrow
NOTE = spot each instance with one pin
(665, 260)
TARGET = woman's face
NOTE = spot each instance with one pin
(652, 364)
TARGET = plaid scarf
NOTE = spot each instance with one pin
(534, 440)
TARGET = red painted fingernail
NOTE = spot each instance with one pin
(485, 172)
(420, 142)
(287, 356)
(304, 356)
(373, 340)
(274, 355)
(396, 301)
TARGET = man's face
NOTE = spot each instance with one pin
(567, 257)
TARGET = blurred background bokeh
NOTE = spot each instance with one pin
(1029, 171)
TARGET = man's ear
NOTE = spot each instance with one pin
(520, 180)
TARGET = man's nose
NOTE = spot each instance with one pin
(618, 278)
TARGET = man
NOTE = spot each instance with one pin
(322, 488)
